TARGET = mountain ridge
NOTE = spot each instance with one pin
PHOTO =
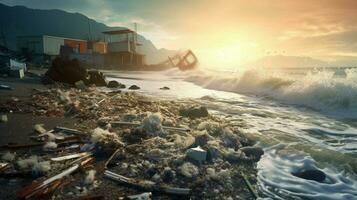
(20, 20)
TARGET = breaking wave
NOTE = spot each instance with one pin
(323, 90)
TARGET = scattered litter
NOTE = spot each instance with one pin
(189, 170)
(8, 156)
(89, 180)
(152, 124)
(50, 146)
(68, 157)
(5, 87)
(3, 118)
(194, 112)
(142, 196)
(39, 129)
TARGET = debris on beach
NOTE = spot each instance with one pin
(128, 145)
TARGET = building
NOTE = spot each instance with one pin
(44, 47)
(123, 49)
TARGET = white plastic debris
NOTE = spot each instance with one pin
(197, 154)
(189, 170)
(142, 196)
(50, 146)
(101, 135)
(34, 164)
(41, 167)
(152, 124)
(39, 129)
(89, 179)
(3, 118)
(8, 156)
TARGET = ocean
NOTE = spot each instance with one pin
(303, 118)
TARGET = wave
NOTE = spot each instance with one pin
(318, 89)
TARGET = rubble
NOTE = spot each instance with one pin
(194, 112)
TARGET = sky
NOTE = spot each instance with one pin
(230, 32)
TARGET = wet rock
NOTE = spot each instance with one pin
(165, 88)
(134, 87)
(97, 78)
(194, 112)
(66, 71)
(311, 174)
(113, 84)
(168, 175)
(253, 152)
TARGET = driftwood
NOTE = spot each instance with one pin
(31, 145)
(138, 124)
(38, 187)
(68, 130)
(145, 186)
(249, 186)
(111, 158)
(68, 157)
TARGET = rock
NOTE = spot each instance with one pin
(168, 175)
(253, 152)
(113, 84)
(197, 154)
(165, 88)
(311, 174)
(194, 112)
(97, 78)
(134, 87)
(66, 71)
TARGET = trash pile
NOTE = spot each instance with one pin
(128, 146)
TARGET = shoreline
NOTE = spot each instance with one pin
(147, 152)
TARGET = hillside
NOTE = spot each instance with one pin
(19, 20)
(280, 61)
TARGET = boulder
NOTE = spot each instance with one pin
(165, 88)
(134, 87)
(194, 112)
(252, 152)
(113, 84)
(311, 174)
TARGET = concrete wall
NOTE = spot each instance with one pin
(115, 47)
(52, 45)
(31, 43)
